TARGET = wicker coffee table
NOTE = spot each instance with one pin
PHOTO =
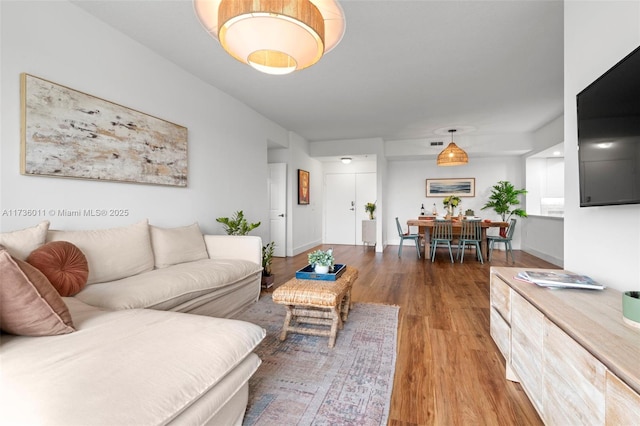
(316, 302)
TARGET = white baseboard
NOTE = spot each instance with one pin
(306, 247)
(551, 259)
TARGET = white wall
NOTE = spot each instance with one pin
(536, 181)
(554, 178)
(227, 158)
(407, 188)
(383, 191)
(603, 242)
(548, 135)
(305, 220)
(545, 176)
(543, 236)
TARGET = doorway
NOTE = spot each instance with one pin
(345, 197)
(278, 207)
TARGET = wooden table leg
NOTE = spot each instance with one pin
(426, 238)
(427, 244)
(287, 322)
(335, 325)
(483, 244)
(345, 305)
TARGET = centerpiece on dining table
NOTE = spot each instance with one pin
(451, 202)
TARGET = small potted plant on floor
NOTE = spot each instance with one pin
(237, 224)
(267, 258)
(322, 261)
(504, 196)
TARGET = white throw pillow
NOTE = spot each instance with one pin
(21, 243)
(113, 253)
(177, 245)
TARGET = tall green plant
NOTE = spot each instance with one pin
(502, 199)
(237, 224)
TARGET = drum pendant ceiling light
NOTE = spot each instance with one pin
(274, 36)
(452, 155)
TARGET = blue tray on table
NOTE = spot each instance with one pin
(307, 273)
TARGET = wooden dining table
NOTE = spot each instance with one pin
(425, 225)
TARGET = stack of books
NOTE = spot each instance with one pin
(558, 280)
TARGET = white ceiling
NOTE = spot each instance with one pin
(404, 70)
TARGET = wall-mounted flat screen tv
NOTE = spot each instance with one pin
(609, 136)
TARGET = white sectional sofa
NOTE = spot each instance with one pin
(130, 360)
(176, 269)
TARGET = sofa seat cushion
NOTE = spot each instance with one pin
(130, 367)
(168, 287)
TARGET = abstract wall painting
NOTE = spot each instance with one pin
(67, 133)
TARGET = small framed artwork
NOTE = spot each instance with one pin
(303, 186)
(462, 187)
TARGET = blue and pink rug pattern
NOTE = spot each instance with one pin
(304, 382)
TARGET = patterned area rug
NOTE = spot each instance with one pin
(303, 382)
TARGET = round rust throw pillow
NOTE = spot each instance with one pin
(63, 264)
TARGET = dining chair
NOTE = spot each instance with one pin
(442, 235)
(492, 239)
(470, 233)
(407, 236)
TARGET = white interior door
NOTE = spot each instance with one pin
(340, 209)
(366, 192)
(345, 197)
(278, 207)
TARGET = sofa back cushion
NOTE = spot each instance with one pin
(21, 243)
(177, 245)
(29, 305)
(113, 253)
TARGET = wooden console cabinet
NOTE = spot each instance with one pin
(570, 349)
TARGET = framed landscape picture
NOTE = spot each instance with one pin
(67, 133)
(303, 186)
(462, 187)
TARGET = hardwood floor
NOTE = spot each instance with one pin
(448, 369)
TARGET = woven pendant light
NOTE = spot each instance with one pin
(274, 36)
(452, 155)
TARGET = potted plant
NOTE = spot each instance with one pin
(237, 224)
(504, 196)
(450, 202)
(267, 258)
(322, 261)
(370, 208)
